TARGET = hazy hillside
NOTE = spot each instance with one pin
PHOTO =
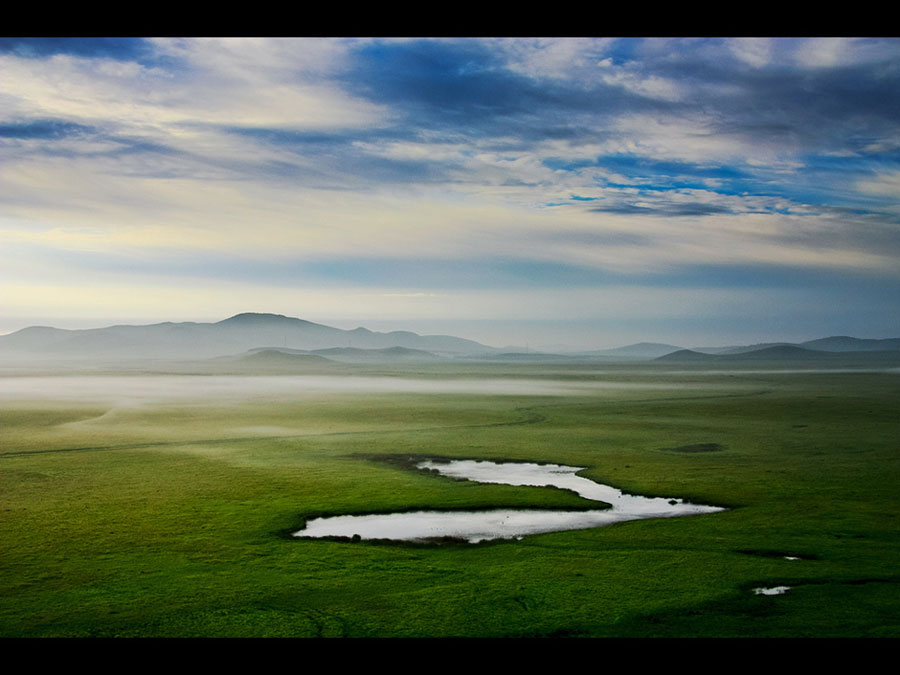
(530, 357)
(786, 354)
(261, 362)
(745, 349)
(686, 356)
(387, 355)
(842, 343)
(641, 350)
(829, 344)
(234, 335)
(781, 352)
(248, 332)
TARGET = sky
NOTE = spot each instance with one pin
(581, 193)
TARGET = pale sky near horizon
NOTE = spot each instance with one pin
(577, 192)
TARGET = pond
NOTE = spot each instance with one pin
(773, 590)
(476, 526)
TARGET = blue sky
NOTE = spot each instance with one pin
(574, 192)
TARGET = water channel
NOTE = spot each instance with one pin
(476, 526)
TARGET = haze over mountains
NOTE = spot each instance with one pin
(273, 339)
(821, 350)
(237, 334)
(786, 354)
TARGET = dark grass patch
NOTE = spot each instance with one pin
(746, 614)
(696, 447)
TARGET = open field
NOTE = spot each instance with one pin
(148, 505)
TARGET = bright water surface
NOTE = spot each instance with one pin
(475, 526)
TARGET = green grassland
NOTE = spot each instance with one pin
(172, 518)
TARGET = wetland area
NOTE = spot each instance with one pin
(131, 501)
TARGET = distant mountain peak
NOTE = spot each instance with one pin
(253, 317)
(262, 318)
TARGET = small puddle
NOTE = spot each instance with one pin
(476, 526)
(773, 590)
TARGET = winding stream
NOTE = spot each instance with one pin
(476, 526)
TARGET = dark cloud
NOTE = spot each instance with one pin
(802, 108)
(465, 86)
(457, 79)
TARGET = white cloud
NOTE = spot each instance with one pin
(230, 82)
(651, 86)
(554, 58)
(824, 52)
(756, 52)
(887, 184)
(692, 139)
(74, 209)
(271, 58)
(582, 61)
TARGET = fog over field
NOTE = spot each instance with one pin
(161, 388)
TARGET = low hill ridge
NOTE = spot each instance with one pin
(234, 335)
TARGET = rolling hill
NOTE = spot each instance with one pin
(787, 354)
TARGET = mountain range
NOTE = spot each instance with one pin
(239, 333)
(251, 332)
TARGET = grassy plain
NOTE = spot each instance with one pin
(169, 516)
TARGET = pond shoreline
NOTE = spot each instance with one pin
(475, 525)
